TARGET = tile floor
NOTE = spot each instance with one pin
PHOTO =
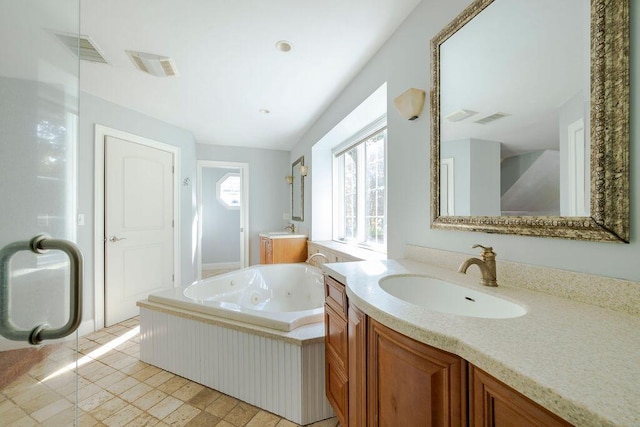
(116, 389)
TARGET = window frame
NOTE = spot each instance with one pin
(358, 140)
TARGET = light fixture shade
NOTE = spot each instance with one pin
(410, 103)
(288, 179)
(304, 170)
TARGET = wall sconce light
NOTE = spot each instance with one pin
(410, 103)
(304, 170)
(288, 179)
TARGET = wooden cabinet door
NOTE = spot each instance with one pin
(336, 379)
(493, 403)
(357, 367)
(413, 384)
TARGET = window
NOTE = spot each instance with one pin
(360, 198)
(228, 190)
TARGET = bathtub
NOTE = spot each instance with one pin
(256, 334)
(276, 296)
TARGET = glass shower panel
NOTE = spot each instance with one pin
(39, 88)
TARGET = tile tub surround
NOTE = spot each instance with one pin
(282, 372)
(580, 361)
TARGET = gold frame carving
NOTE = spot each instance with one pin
(609, 220)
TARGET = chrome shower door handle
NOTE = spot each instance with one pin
(114, 239)
(41, 244)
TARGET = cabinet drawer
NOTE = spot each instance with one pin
(336, 296)
(336, 338)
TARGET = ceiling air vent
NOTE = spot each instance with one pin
(460, 115)
(82, 47)
(492, 118)
(156, 65)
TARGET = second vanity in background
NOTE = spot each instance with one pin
(282, 247)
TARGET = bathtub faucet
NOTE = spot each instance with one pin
(317, 254)
(291, 227)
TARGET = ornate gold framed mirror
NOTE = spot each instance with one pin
(297, 190)
(530, 119)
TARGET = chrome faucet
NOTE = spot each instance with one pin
(486, 263)
(291, 227)
(312, 256)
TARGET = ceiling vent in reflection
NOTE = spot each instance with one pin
(156, 65)
(492, 118)
(82, 47)
(460, 115)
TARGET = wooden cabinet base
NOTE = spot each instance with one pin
(283, 250)
(413, 384)
(493, 403)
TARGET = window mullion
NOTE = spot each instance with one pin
(361, 191)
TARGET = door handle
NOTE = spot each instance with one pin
(41, 244)
(114, 239)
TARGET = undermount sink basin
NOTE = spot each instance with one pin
(446, 297)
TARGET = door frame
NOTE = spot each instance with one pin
(99, 207)
(244, 208)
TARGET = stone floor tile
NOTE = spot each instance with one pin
(64, 418)
(165, 407)
(204, 398)
(95, 400)
(25, 421)
(241, 414)
(150, 399)
(134, 368)
(36, 398)
(222, 406)
(11, 412)
(224, 423)
(330, 422)
(146, 373)
(86, 420)
(111, 379)
(136, 392)
(107, 409)
(123, 385)
(187, 391)
(143, 419)
(123, 416)
(263, 419)
(286, 423)
(173, 385)
(159, 378)
(203, 419)
(181, 416)
(51, 409)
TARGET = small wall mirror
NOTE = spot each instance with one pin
(297, 189)
(530, 119)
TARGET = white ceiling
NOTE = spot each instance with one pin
(228, 65)
(520, 57)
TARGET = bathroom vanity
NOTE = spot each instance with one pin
(391, 362)
(282, 247)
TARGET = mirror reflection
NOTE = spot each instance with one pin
(297, 190)
(514, 111)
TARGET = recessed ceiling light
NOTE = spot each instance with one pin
(264, 111)
(284, 46)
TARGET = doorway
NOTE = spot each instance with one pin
(222, 217)
(157, 266)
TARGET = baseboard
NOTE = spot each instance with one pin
(220, 265)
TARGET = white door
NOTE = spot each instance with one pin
(138, 225)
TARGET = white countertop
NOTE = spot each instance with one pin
(282, 235)
(580, 361)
